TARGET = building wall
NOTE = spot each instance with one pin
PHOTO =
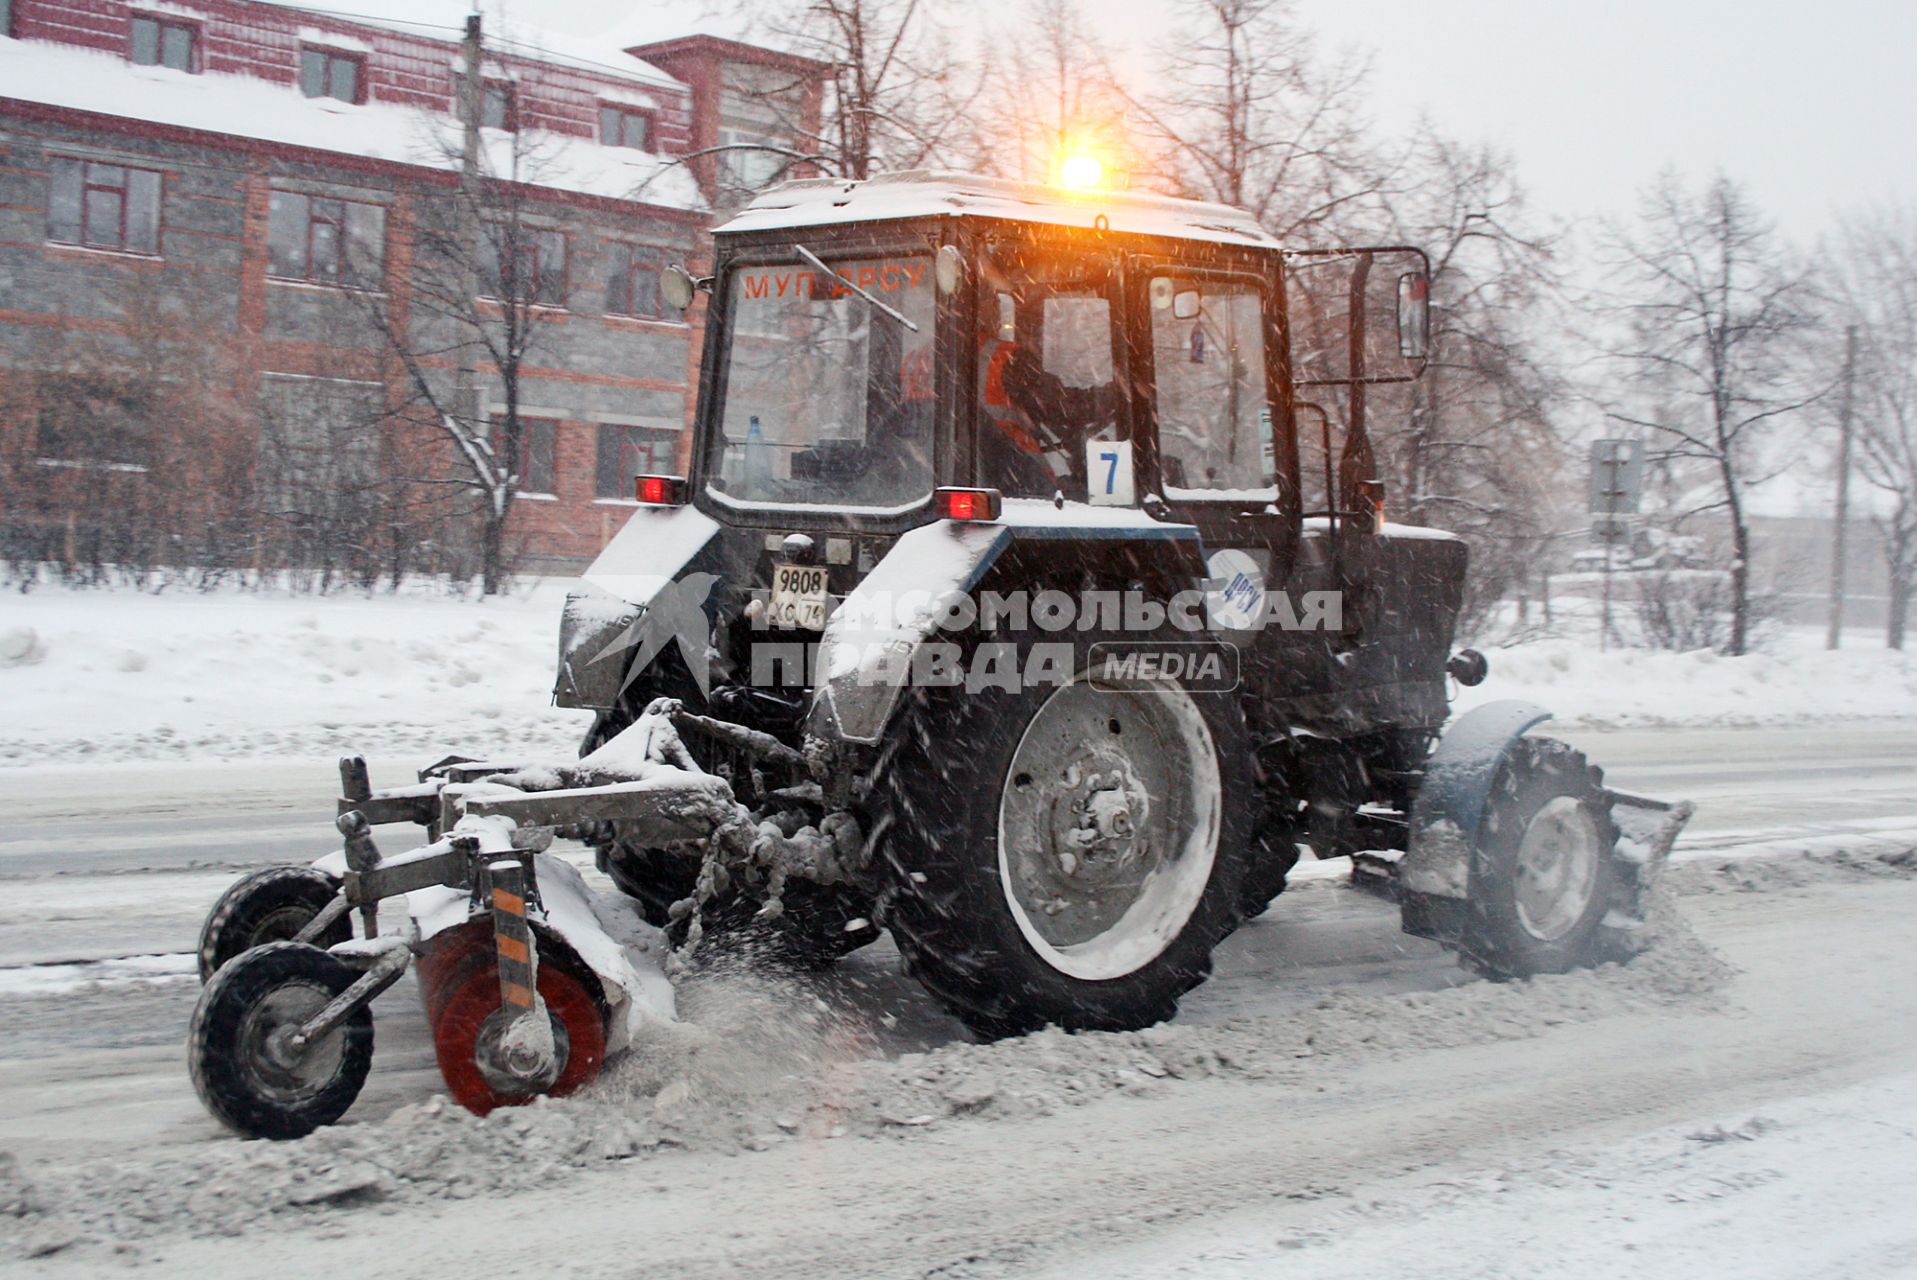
(64, 308)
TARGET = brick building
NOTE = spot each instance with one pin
(211, 220)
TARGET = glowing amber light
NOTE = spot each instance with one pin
(1081, 172)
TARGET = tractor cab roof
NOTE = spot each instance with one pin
(821, 202)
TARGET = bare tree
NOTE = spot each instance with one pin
(126, 449)
(1052, 91)
(1475, 445)
(897, 97)
(1876, 291)
(483, 270)
(1247, 112)
(1715, 321)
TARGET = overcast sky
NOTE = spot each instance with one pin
(1812, 103)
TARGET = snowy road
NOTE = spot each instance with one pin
(105, 875)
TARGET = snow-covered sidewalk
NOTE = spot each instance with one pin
(123, 675)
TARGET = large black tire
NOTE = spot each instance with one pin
(270, 905)
(1273, 854)
(1545, 872)
(934, 821)
(810, 933)
(271, 989)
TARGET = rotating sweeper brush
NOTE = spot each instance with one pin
(529, 979)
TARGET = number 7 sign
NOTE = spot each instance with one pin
(1108, 472)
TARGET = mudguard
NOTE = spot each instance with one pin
(1450, 804)
(866, 652)
(869, 642)
(656, 546)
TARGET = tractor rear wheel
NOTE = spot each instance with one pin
(1063, 855)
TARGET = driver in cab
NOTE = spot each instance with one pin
(1033, 426)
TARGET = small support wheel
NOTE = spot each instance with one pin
(270, 905)
(246, 1065)
(459, 982)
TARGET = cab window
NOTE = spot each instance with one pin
(1047, 381)
(1208, 362)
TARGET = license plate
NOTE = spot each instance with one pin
(798, 597)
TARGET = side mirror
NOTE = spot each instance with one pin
(1414, 315)
(1186, 304)
(1359, 315)
(677, 286)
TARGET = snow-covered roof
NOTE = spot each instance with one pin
(248, 107)
(818, 201)
(507, 30)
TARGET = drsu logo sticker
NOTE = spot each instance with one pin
(1234, 591)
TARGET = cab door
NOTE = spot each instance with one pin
(1218, 454)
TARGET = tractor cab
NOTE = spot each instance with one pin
(872, 343)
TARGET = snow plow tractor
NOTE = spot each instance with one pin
(1024, 590)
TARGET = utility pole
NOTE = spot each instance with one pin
(470, 396)
(472, 90)
(1835, 637)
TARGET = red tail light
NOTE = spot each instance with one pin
(660, 491)
(967, 504)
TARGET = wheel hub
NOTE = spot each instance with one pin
(1098, 812)
(1107, 823)
(269, 1055)
(1557, 869)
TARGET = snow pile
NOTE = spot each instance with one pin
(762, 1060)
(122, 675)
(1795, 680)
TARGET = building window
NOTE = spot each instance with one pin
(337, 242)
(619, 127)
(625, 452)
(499, 109)
(6, 18)
(750, 167)
(632, 281)
(161, 42)
(535, 461)
(524, 264)
(328, 73)
(104, 206)
(94, 423)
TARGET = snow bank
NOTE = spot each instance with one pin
(120, 675)
(1796, 679)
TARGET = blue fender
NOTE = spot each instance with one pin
(1450, 804)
